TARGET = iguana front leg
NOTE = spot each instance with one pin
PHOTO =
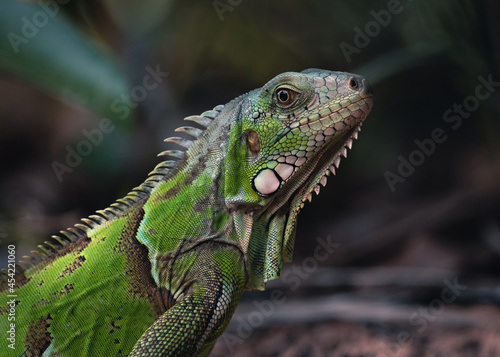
(215, 276)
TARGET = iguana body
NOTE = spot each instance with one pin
(160, 272)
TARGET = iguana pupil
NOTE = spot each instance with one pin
(285, 96)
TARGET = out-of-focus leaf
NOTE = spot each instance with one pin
(39, 44)
(400, 60)
(138, 17)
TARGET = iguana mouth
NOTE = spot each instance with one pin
(328, 160)
(307, 122)
(313, 174)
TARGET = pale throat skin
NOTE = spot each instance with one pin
(161, 271)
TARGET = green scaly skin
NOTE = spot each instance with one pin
(160, 272)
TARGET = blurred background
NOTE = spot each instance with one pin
(411, 223)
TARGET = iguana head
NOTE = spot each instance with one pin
(295, 129)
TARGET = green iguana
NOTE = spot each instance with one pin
(160, 272)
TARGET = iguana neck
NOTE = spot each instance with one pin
(196, 200)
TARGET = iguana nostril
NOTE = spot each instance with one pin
(360, 84)
(353, 83)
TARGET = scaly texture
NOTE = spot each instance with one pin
(160, 272)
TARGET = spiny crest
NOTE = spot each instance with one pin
(204, 120)
(65, 238)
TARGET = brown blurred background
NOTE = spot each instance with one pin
(413, 214)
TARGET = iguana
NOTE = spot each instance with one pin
(160, 272)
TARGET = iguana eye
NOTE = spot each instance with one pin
(285, 96)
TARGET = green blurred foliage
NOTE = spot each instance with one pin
(42, 46)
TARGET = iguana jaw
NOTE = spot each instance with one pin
(293, 131)
(328, 160)
(287, 203)
(312, 175)
(308, 178)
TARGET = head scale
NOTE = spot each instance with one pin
(295, 128)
